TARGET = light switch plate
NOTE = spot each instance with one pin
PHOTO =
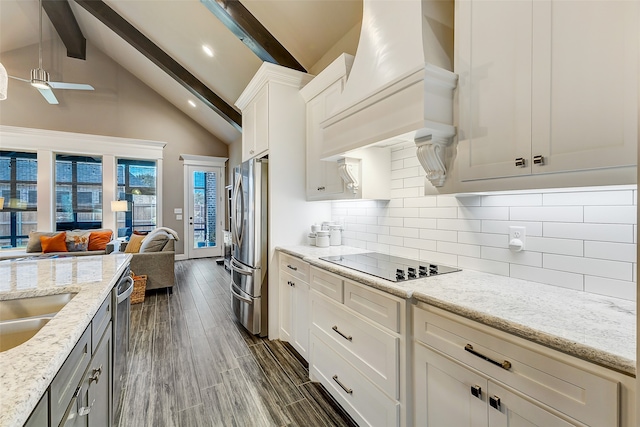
(177, 210)
(178, 217)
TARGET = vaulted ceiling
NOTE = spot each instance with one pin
(160, 42)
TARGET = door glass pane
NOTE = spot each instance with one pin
(204, 209)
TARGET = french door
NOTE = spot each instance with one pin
(204, 216)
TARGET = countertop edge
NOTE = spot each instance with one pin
(18, 413)
(582, 351)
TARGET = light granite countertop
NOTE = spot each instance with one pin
(599, 329)
(27, 370)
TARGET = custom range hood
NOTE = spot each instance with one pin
(400, 87)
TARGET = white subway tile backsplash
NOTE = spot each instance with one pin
(583, 239)
(622, 233)
(513, 200)
(589, 198)
(532, 228)
(391, 240)
(391, 222)
(532, 259)
(427, 245)
(589, 266)
(443, 235)
(610, 287)
(420, 223)
(491, 213)
(459, 249)
(555, 246)
(550, 277)
(483, 239)
(420, 202)
(448, 212)
(610, 214)
(485, 265)
(547, 213)
(459, 224)
(401, 193)
(439, 258)
(613, 251)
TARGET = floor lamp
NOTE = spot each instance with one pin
(122, 206)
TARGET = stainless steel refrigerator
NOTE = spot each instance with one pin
(249, 249)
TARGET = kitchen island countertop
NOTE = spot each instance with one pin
(27, 370)
(596, 328)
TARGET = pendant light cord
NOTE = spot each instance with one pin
(40, 41)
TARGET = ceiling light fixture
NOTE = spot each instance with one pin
(207, 50)
(193, 104)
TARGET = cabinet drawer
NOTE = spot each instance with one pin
(100, 322)
(368, 405)
(370, 349)
(295, 267)
(327, 284)
(576, 392)
(376, 305)
(68, 378)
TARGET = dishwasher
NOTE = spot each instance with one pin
(121, 322)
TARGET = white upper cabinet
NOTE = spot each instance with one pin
(546, 86)
(323, 177)
(269, 103)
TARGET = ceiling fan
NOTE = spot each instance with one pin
(40, 78)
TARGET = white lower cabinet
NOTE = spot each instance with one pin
(451, 394)
(358, 349)
(467, 374)
(294, 303)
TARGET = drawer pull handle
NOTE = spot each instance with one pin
(96, 375)
(521, 162)
(348, 390)
(346, 337)
(505, 364)
(494, 402)
(476, 391)
(292, 267)
(290, 283)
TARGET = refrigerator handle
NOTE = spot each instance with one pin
(240, 297)
(239, 269)
(236, 231)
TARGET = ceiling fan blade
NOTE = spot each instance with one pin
(76, 86)
(49, 96)
(22, 80)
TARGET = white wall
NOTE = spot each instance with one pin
(583, 239)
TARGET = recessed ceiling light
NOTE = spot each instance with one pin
(207, 50)
(193, 104)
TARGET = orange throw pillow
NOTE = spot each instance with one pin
(57, 243)
(133, 246)
(98, 240)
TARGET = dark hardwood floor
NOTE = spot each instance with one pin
(191, 364)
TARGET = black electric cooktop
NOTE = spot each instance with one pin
(390, 267)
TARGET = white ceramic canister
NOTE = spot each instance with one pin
(322, 239)
(312, 239)
(335, 235)
(315, 228)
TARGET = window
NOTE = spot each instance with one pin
(18, 217)
(78, 192)
(137, 184)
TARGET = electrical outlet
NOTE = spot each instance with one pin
(517, 238)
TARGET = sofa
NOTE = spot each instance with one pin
(153, 255)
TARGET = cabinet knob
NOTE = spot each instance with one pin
(96, 375)
(251, 151)
(476, 391)
(538, 160)
(494, 402)
(521, 162)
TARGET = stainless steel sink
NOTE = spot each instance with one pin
(34, 306)
(15, 332)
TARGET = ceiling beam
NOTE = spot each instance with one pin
(251, 32)
(62, 18)
(151, 51)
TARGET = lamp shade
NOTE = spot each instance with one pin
(119, 206)
(4, 82)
